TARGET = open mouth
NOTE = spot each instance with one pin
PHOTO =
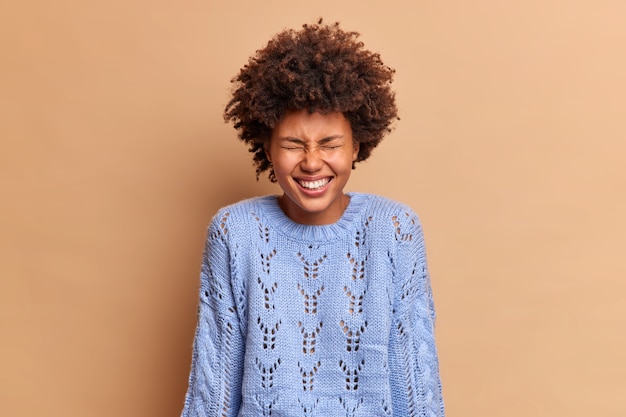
(314, 185)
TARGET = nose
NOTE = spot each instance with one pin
(311, 161)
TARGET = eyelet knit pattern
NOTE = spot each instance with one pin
(300, 321)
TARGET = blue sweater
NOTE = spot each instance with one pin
(301, 320)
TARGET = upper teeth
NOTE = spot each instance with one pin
(314, 184)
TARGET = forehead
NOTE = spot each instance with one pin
(301, 124)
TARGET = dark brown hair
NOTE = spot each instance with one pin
(321, 68)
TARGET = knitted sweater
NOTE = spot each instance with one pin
(301, 320)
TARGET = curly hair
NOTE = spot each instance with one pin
(321, 68)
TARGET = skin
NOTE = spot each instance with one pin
(317, 149)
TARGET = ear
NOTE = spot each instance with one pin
(266, 148)
(355, 150)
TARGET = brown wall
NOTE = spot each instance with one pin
(114, 157)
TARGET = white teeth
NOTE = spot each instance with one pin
(312, 185)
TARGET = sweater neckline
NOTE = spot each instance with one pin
(279, 222)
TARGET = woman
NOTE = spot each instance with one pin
(316, 302)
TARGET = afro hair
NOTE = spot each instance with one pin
(321, 68)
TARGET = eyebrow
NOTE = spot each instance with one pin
(302, 142)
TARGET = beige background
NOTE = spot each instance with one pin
(114, 157)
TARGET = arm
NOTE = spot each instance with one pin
(216, 368)
(414, 364)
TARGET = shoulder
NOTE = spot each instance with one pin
(238, 207)
(239, 216)
(244, 209)
(391, 219)
(389, 210)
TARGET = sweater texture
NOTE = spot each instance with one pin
(299, 321)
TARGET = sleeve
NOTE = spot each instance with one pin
(414, 364)
(217, 359)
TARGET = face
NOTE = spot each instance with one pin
(312, 156)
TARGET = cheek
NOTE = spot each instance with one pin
(284, 162)
(341, 163)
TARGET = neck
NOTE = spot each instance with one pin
(329, 216)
